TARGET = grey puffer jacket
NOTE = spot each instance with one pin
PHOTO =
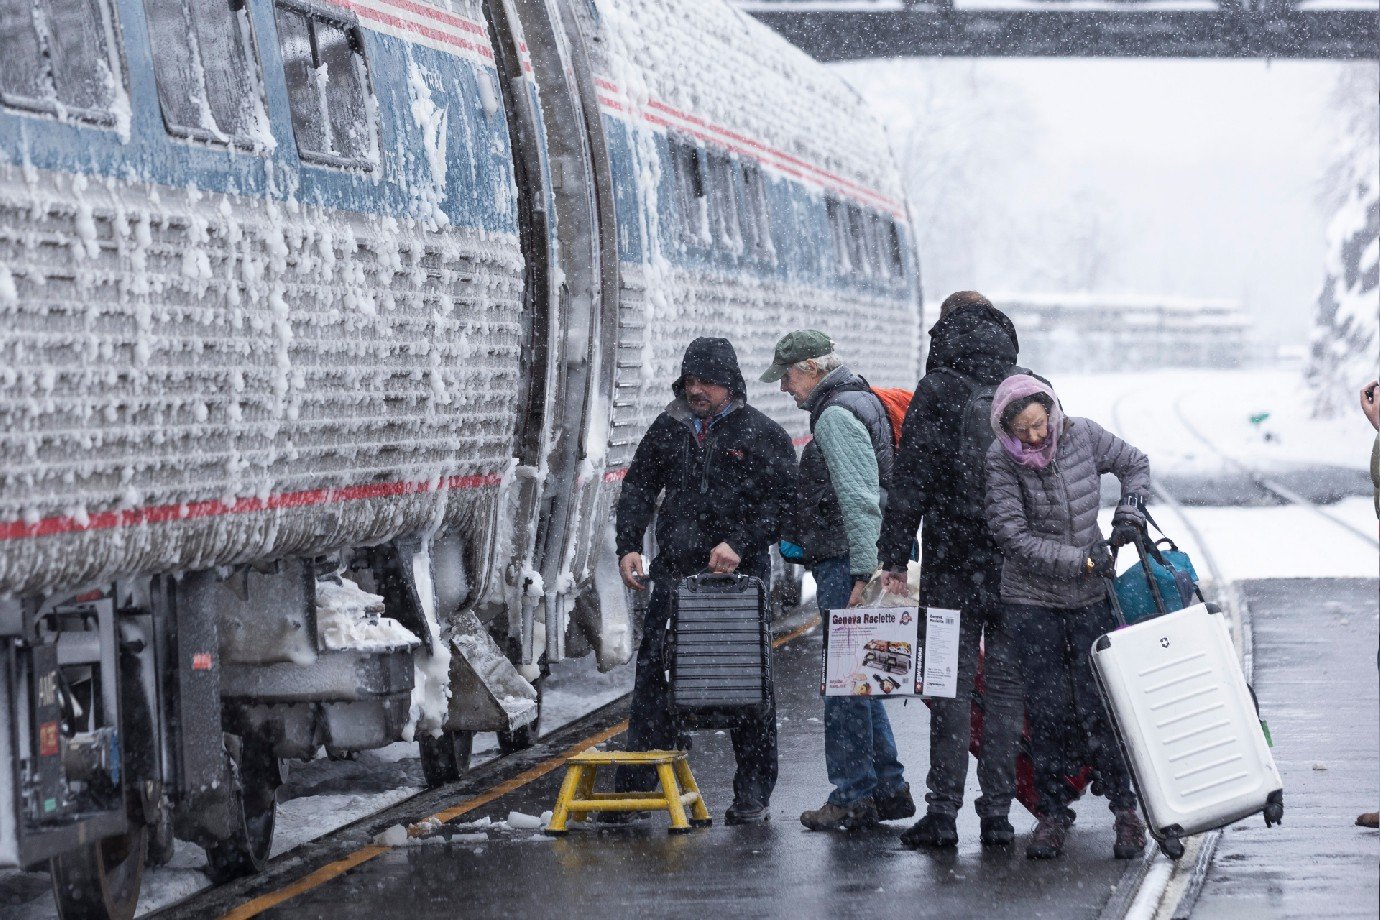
(1046, 520)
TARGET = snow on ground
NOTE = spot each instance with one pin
(1273, 542)
(575, 688)
(1167, 413)
(1190, 420)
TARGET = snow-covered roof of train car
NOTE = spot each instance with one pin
(709, 70)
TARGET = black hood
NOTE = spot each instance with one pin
(713, 361)
(976, 340)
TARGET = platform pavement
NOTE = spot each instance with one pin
(775, 870)
(1316, 680)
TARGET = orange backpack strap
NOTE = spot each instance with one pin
(896, 401)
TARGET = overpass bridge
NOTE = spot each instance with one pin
(844, 30)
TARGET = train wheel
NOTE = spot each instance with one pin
(446, 757)
(100, 881)
(255, 774)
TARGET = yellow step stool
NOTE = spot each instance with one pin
(678, 790)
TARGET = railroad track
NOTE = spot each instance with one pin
(1274, 487)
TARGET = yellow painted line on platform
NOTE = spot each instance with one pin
(796, 633)
(272, 899)
(327, 872)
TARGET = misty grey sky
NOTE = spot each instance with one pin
(1208, 172)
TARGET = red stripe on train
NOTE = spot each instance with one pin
(416, 28)
(161, 514)
(741, 140)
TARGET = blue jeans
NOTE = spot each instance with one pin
(859, 748)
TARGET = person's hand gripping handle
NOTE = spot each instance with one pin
(630, 568)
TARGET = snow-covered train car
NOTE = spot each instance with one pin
(330, 328)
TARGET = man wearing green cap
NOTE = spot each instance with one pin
(844, 473)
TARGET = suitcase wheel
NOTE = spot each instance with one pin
(1173, 847)
(1274, 809)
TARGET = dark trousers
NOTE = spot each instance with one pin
(1068, 725)
(652, 728)
(951, 719)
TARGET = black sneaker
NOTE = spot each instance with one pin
(895, 805)
(747, 813)
(997, 831)
(933, 832)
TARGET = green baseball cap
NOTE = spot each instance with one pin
(795, 347)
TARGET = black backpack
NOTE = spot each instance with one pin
(975, 436)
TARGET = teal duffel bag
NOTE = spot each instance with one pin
(1163, 581)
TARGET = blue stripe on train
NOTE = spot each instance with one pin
(475, 183)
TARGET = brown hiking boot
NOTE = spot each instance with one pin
(831, 817)
(1130, 834)
(1048, 840)
(1368, 819)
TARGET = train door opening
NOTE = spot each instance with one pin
(554, 113)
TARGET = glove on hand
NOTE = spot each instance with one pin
(790, 552)
(1099, 562)
(1125, 530)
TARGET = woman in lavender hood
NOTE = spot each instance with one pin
(1043, 476)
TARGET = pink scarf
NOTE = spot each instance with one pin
(1011, 389)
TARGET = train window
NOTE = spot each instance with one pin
(892, 242)
(723, 204)
(689, 191)
(876, 240)
(59, 56)
(756, 216)
(838, 233)
(328, 89)
(206, 70)
(857, 241)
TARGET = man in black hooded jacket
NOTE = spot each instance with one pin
(727, 476)
(973, 345)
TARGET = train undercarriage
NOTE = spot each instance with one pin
(164, 708)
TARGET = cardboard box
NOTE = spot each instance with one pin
(885, 652)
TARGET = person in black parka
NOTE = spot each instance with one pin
(726, 476)
(972, 345)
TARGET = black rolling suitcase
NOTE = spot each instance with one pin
(720, 654)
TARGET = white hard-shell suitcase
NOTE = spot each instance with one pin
(1188, 724)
